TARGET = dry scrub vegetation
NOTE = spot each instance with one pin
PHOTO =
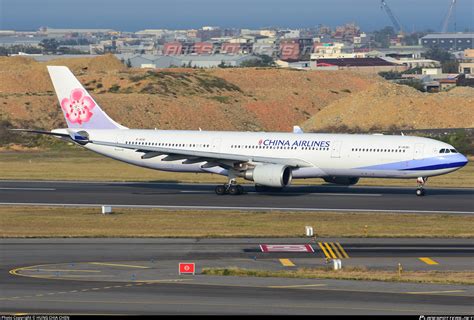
(229, 99)
(88, 222)
(353, 273)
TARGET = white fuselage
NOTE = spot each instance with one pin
(348, 155)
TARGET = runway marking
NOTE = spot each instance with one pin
(345, 255)
(434, 292)
(428, 261)
(59, 270)
(287, 263)
(333, 250)
(30, 189)
(84, 276)
(298, 286)
(91, 205)
(119, 265)
(330, 250)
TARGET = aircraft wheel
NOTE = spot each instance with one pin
(234, 190)
(220, 190)
(420, 192)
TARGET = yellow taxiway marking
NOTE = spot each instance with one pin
(333, 250)
(84, 276)
(287, 262)
(299, 286)
(344, 254)
(336, 251)
(330, 250)
(118, 265)
(59, 270)
(434, 292)
(324, 250)
(428, 261)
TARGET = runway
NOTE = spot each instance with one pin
(202, 196)
(139, 276)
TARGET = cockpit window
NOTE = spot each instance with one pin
(453, 151)
(442, 151)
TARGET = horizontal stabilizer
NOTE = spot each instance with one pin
(57, 134)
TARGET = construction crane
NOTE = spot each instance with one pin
(448, 16)
(393, 18)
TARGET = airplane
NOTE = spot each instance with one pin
(271, 160)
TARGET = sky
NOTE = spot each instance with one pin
(134, 15)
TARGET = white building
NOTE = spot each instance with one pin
(190, 60)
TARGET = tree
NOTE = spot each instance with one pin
(438, 54)
(382, 36)
(49, 44)
(260, 60)
(447, 59)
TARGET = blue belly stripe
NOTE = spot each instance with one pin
(438, 166)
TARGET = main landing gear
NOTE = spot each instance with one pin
(420, 191)
(231, 188)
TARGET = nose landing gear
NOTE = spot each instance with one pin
(421, 181)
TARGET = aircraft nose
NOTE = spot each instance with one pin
(461, 160)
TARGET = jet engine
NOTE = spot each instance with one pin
(270, 175)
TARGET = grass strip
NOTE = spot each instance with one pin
(352, 273)
(89, 222)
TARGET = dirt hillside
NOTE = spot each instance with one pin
(226, 99)
(221, 99)
(385, 105)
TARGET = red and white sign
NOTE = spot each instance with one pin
(187, 268)
(286, 248)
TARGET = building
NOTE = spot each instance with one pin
(366, 65)
(230, 48)
(185, 60)
(172, 48)
(64, 33)
(334, 51)
(448, 41)
(300, 65)
(203, 48)
(289, 50)
(467, 68)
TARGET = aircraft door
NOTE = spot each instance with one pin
(418, 151)
(336, 149)
(216, 144)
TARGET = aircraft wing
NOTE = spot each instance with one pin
(213, 159)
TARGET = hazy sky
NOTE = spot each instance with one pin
(133, 15)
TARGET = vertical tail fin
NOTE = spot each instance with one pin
(79, 108)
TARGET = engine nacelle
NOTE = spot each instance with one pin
(345, 181)
(270, 175)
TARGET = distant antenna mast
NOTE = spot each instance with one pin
(448, 16)
(393, 18)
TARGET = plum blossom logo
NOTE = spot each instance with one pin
(260, 141)
(78, 106)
